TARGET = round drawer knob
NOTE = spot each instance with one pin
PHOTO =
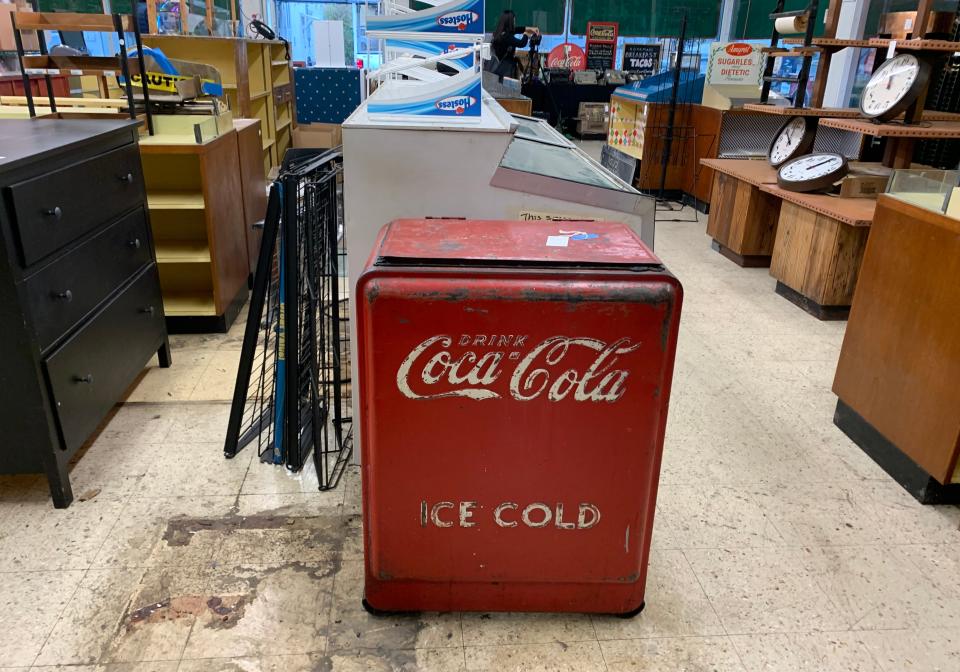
(56, 212)
(128, 178)
(134, 244)
(83, 379)
(66, 295)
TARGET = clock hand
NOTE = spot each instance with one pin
(819, 164)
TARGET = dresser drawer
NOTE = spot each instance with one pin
(90, 372)
(52, 210)
(63, 292)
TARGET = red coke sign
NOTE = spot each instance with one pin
(567, 55)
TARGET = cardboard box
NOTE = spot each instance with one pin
(860, 185)
(317, 136)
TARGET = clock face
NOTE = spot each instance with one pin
(790, 139)
(812, 172)
(890, 85)
(811, 167)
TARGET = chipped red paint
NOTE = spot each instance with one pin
(515, 378)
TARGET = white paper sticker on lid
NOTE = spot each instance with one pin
(558, 241)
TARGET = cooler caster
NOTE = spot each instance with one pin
(631, 614)
(373, 611)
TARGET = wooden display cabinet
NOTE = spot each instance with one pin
(197, 217)
(897, 379)
(743, 218)
(818, 249)
(256, 79)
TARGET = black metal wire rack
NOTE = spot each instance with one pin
(293, 391)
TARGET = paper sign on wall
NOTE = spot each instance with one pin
(736, 63)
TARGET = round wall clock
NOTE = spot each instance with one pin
(896, 84)
(812, 172)
(795, 138)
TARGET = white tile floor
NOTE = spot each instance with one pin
(778, 545)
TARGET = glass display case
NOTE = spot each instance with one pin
(937, 190)
(538, 155)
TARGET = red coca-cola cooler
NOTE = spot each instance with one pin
(514, 378)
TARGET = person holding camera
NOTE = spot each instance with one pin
(505, 42)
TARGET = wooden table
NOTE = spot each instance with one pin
(743, 218)
(900, 363)
(818, 249)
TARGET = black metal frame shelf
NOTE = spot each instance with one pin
(46, 64)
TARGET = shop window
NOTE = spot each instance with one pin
(649, 18)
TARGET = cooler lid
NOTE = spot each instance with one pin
(496, 242)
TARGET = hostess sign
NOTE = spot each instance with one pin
(456, 104)
(459, 17)
(458, 20)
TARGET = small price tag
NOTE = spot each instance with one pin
(891, 48)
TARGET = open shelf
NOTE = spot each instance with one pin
(186, 305)
(175, 200)
(917, 45)
(282, 124)
(267, 143)
(278, 64)
(837, 112)
(79, 64)
(257, 95)
(832, 43)
(70, 21)
(924, 129)
(182, 252)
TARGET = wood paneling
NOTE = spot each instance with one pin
(253, 183)
(816, 255)
(517, 105)
(225, 220)
(900, 363)
(696, 131)
(742, 217)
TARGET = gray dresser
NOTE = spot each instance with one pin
(80, 306)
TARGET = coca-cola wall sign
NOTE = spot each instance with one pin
(567, 55)
(496, 366)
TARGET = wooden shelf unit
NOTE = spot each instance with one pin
(257, 81)
(199, 231)
(104, 67)
(925, 129)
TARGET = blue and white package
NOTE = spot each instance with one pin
(461, 98)
(459, 17)
(397, 47)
